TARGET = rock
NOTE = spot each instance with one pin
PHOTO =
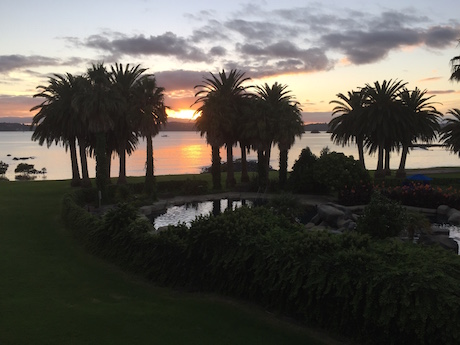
(316, 219)
(330, 214)
(444, 241)
(310, 225)
(454, 217)
(442, 210)
(437, 230)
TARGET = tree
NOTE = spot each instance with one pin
(455, 64)
(450, 133)
(350, 125)
(220, 96)
(96, 103)
(149, 100)
(386, 125)
(422, 122)
(57, 119)
(289, 125)
(124, 81)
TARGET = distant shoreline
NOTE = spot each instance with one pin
(173, 126)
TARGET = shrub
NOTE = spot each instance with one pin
(301, 178)
(382, 218)
(378, 292)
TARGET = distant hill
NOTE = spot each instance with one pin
(322, 127)
(14, 127)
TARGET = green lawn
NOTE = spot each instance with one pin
(52, 292)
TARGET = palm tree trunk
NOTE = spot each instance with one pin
(122, 170)
(74, 161)
(149, 173)
(215, 167)
(230, 182)
(85, 180)
(387, 169)
(360, 144)
(244, 164)
(262, 167)
(379, 173)
(401, 173)
(101, 162)
(283, 166)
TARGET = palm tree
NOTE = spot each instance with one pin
(279, 121)
(288, 120)
(349, 126)
(149, 100)
(386, 125)
(455, 63)
(450, 133)
(422, 122)
(221, 97)
(208, 125)
(97, 103)
(124, 81)
(57, 120)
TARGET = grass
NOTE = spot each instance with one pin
(52, 292)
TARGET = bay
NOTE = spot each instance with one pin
(188, 153)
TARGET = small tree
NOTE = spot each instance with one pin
(3, 168)
(382, 218)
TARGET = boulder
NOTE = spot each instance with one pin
(444, 241)
(454, 217)
(330, 214)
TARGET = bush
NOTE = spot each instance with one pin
(382, 218)
(378, 292)
(331, 172)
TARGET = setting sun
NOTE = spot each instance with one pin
(181, 114)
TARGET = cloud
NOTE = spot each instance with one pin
(14, 62)
(441, 92)
(167, 44)
(431, 79)
(180, 79)
(17, 106)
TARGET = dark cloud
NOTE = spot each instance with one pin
(441, 36)
(218, 51)
(167, 44)
(180, 79)
(14, 62)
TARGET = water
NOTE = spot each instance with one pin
(185, 214)
(188, 153)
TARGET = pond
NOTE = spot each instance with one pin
(187, 212)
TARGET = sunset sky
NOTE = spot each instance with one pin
(318, 48)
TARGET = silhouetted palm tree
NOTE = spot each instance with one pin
(149, 100)
(221, 97)
(124, 81)
(455, 63)
(350, 125)
(385, 124)
(57, 120)
(422, 122)
(97, 103)
(450, 134)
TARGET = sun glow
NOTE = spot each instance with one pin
(187, 114)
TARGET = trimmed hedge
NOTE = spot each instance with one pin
(378, 292)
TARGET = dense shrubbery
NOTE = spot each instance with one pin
(331, 172)
(421, 195)
(382, 218)
(381, 292)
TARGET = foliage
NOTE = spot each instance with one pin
(24, 168)
(301, 179)
(331, 172)
(382, 218)
(378, 292)
(421, 195)
(3, 167)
